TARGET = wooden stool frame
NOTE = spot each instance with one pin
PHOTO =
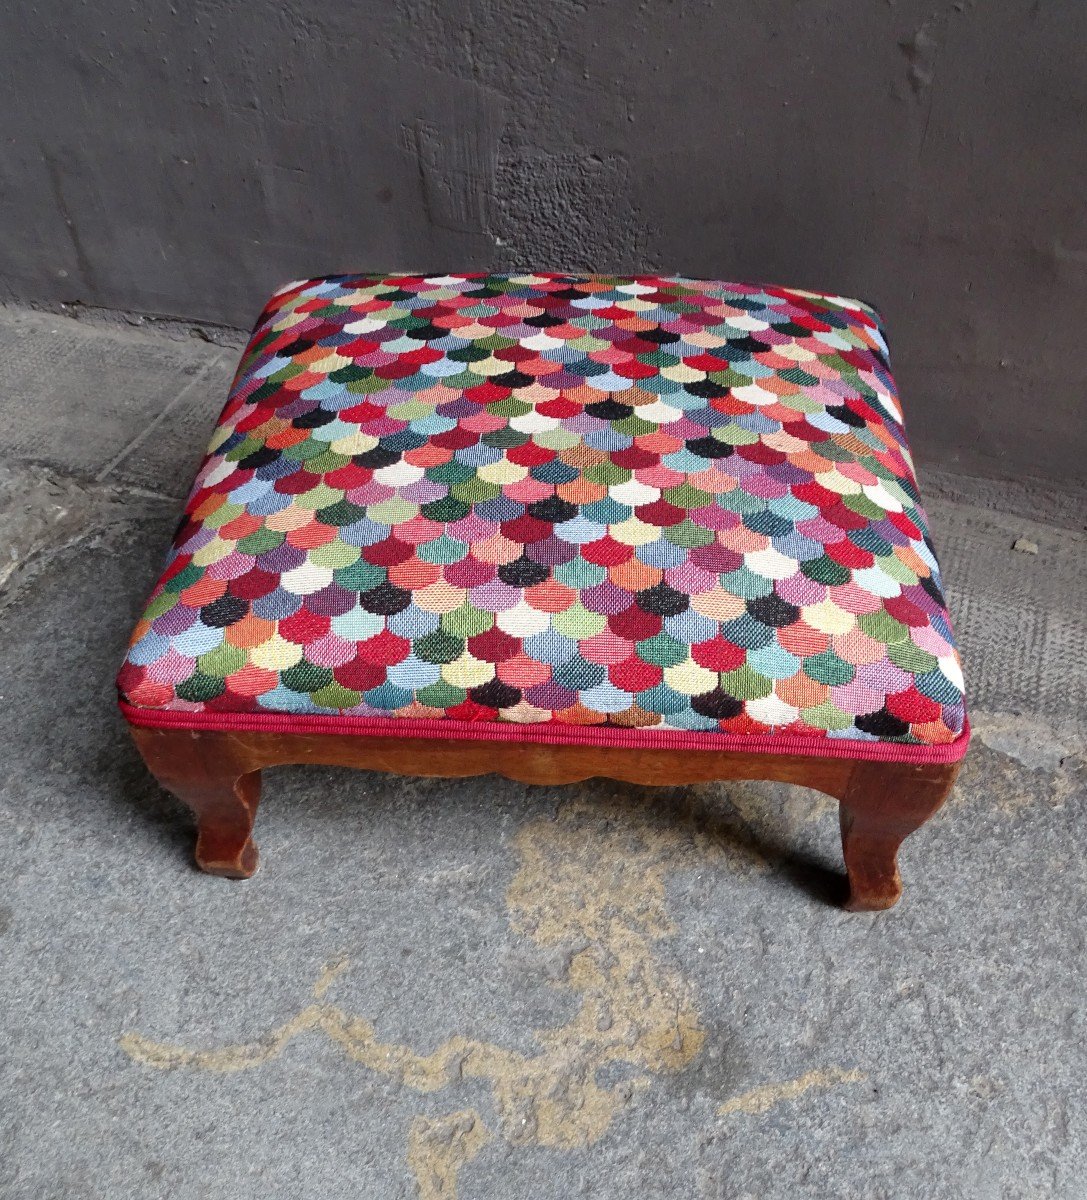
(217, 774)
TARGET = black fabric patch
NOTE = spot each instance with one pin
(385, 599)
(662, 601)
(259, 458)
(553, 509)
(709, 447)
(843, 413)
(379, 456)
(495, 694)
(933, 589)
(608, 410)
(663, 337)
(773, 611)
(314, 419)
(227, 610)
(882, 724)
(522, 573)
(717, 704)
(706, 389)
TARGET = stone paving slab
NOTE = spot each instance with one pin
(109, 402)
(480, 989)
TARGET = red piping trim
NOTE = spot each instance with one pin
(549, 734)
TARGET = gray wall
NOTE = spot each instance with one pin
(928, 157)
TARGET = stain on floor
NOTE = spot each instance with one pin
(591, 883)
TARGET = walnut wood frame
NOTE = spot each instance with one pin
(217, 774)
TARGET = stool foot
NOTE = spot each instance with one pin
(883, 804)
(210, 775)
(224, 822)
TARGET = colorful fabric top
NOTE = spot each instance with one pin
(640, 511)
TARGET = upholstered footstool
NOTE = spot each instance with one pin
(549, 526)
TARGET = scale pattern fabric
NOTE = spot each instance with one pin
(648, 503)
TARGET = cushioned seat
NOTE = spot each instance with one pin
(631, 511)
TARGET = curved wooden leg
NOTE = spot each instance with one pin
(883, 804)
(219, 783)
(224, 843)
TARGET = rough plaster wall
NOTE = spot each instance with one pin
(928, 157)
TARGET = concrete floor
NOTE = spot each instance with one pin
(478, 989)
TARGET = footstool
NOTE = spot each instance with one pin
(661, 530)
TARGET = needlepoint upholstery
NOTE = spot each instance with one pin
(635, 511)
